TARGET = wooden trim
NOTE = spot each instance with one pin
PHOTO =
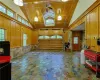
(94, 5)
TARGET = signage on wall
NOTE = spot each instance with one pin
(75, 40)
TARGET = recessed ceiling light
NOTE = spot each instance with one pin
(64, 0)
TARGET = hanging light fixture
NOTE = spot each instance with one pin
(59, 18)
(36, 19)
(64, 0)
(19, 2)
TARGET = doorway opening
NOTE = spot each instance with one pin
(78, 37)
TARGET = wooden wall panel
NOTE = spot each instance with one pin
(14, 32)
(12, 42)
(1, 22)
(65, 36)
(18, 35)
(35, 37)
(94, 28)
(99, 28)
(88, 40)
(7, 25)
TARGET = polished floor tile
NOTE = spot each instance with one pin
(50, 65)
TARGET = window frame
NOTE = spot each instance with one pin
(3, 34)
(25, 39)
(20, 17)
(4, 7)
(11, 12)
(25, 21)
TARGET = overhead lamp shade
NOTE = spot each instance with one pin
(64, 0)
(36, 19)
(59, 17)
(18, 2)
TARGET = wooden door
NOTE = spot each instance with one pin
(76, 46)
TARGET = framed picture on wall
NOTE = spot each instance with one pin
(75, 40)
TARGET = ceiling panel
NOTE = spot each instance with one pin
(32, 7)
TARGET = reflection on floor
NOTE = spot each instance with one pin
(50, 66)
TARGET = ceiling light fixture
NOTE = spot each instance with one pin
(59, 18)
(36, 19)
(59, 14)
(19, 2)
(64, 0)
(36, 2)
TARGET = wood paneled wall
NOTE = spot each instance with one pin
(35, 37)
(14, 31)
(92, 29)
(65, 36)
(92, 25)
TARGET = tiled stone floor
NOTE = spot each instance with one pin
(50, 65)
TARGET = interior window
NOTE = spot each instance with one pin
(53, 37)
(24, 39)
(49, 22)
(59, 37)
(46, 37)
(2, 9)
(41, 37)
(26, 23)
(19, 18)
(23, 21)
(10, 13)
(2, 35)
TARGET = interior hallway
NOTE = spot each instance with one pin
(50, 65)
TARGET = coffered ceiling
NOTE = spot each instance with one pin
(34, 8)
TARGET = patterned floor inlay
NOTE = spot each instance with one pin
(50, 66)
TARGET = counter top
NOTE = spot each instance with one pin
(4, 59)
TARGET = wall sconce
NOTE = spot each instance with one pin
(59, 16)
